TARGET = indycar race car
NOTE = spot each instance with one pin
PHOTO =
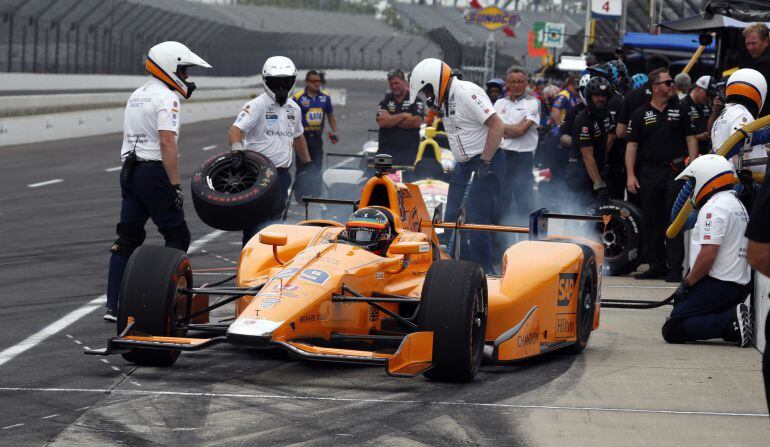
(307, 289)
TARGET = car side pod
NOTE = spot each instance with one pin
(521, 341)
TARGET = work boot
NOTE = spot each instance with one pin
(741, 332)
(674, 275)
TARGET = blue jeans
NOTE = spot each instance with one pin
(481, 205)
(707, 312)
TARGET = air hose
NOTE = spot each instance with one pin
(636, 304)
(759, 133)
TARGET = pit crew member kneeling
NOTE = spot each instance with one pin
(474, 131)
(709, 302)
(271, 125)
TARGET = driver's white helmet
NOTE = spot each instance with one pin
(167, 59)
(278, 77)
(430, 77)
(712, 173)
(748, 87)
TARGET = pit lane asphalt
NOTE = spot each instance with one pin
(55, 241)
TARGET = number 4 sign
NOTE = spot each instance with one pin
(606, 9)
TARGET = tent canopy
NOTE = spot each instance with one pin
(698, 23)
(673, 42)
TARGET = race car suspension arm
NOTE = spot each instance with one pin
(374, 302)
(235, 293)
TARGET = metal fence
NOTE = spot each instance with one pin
(113, 36)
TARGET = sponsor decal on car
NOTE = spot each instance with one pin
(565, 325)
(567, 283)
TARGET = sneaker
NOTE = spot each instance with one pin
(674, 276)
(743, 325)
(110, 316)
(653, 273)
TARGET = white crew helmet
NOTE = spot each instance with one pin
(430, 77)
(278, 77)
(748, 87)
(711, 173)
(167, 60)
(582, 85)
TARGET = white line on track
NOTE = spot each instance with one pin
(11, 426)
(50, 416)
(59, 325)
(379, 401)
(45, 183)
(116, 168)
(208, 148)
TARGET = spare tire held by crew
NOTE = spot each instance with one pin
(231, 200)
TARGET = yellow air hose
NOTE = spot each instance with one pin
(727, 146)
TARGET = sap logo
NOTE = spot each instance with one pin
(567, 282)
(527, 339)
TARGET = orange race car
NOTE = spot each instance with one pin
(309, 289)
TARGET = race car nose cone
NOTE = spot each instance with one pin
(252, 331)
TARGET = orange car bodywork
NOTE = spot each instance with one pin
(532, 307)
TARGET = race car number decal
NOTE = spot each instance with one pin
(313, 275)
(567, 283)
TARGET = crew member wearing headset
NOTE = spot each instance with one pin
(475, 132)
(709, 301)
(149, 180)
(271, 124)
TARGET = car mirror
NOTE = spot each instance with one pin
(409, 248)
(274, 239)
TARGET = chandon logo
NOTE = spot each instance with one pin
(527, 339)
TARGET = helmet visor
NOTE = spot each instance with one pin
(280, 85)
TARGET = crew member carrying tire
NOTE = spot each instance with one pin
(150, 184)
(475, 132)
(709, 302)
(271, 124)
(592, 138)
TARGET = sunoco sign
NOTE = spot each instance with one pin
(492, 18)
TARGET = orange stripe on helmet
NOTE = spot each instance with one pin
(446, 73)
(745, 89)
(153, 69)
(720, 181)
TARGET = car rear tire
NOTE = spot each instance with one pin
(149, 295)
(622, 237)
(454, 307)
(231, 200)
(586, 307)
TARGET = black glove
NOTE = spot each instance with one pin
(602, 193)
(681, 291)
(178, 201)
(237, 160)
(483, 169)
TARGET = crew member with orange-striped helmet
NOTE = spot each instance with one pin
(149, 181)
(475, 132)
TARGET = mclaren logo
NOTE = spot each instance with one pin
(567, 282)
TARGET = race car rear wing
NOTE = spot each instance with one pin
(538, 224)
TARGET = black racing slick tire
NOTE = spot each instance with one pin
(149, 294)
(586, 306)
(454, 307)
(622, 237)
(231, 200)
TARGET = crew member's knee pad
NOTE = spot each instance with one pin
(673, 331)
(130, 237)
(177, 237)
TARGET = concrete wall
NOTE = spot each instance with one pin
(761, 291)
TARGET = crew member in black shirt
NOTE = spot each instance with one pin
(399, 121)
(662, 135)
(701, 114)
(638, 97)
(592, 137)
(758, 233)
(757, 41)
